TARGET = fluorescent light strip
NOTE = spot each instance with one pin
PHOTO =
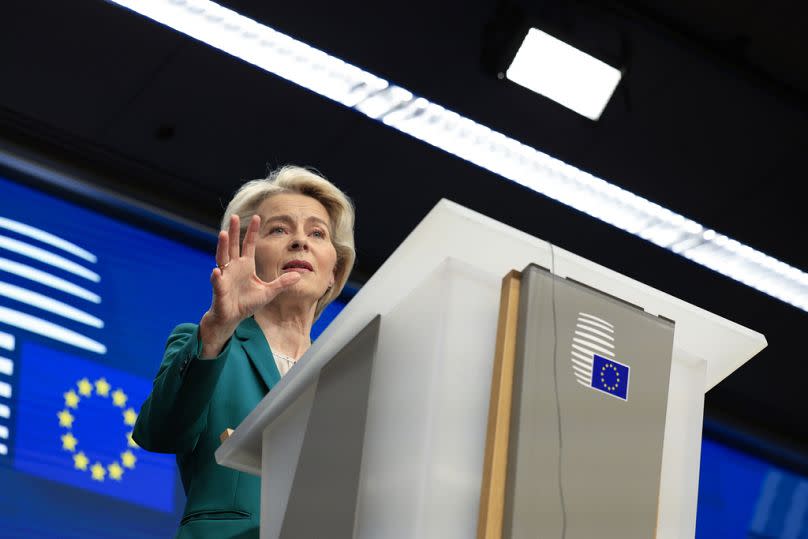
(295, 61)
(6, 366)
(5, 390)
(47, 237)
(5, 411)
(3, 450)
(4, 432)
(46, 257)
(7, 341)
(32, 274)
(48, 329)
(45, 303)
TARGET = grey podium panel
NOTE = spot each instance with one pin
(590, 396)
(322, 501)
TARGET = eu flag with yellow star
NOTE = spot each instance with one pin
(74, 425)
(610, 377)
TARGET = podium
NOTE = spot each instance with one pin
(453, 398)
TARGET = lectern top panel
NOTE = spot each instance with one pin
(452, 230)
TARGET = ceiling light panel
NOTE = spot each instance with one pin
(398, 108)
(568, 76)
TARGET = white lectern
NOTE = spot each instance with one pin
(409, 441)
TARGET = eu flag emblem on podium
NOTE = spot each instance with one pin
(610, 377)
(74, 426)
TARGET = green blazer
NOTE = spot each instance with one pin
(192, 402)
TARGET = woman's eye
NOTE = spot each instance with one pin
(276, 230)
(319, 233)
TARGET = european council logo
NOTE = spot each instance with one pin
(74, 426)
(593, 357)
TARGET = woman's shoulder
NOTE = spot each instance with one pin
(186, 328)
(181, 334)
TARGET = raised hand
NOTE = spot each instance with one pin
(237, 290)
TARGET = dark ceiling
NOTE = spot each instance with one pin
(710, 121)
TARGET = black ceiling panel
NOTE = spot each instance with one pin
(709, 121)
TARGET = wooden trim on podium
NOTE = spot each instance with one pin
(225, 435)
(495, 465)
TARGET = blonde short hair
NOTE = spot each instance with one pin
(303, 181)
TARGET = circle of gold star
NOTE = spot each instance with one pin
(99, 388)
(603, 376)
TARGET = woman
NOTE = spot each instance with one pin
(285, 251)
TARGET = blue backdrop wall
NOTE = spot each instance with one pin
(86, 302)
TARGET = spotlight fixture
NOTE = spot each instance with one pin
(559, 71)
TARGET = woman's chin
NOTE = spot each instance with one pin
(305, 291)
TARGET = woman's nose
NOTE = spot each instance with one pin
(299, 245)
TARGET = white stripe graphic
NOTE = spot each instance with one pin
(6, 366)
(585, 367)
(597, 319)
(592, 335)
(3, 432)
(47, 304)
(5, 411)
(581, 373)
(583, 324)
(45, 278)
(47, 257)
(6, 341)
(49, 329)
(590, 348)
(589, 324)
(3, 450)
(588, 359)
(5, 390)
(588, 336)
(47, 237)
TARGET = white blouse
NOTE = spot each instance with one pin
(284, 363)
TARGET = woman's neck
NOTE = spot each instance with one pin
(287, 326)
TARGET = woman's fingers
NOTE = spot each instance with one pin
(222, 249)
(248, 249)
(280, 284)
(234, 237)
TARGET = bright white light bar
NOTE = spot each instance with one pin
(6, 366)
(47, 237)
(46, 257)
(279, 54)
(7, 341)
(568, 76)
(42, 277)
(47, 329)
(51, 305)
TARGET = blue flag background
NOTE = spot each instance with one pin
(99, 428)
(146, 284)
(610, 377)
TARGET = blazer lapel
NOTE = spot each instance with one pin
(257, 349)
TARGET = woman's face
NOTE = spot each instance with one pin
(295, 235)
